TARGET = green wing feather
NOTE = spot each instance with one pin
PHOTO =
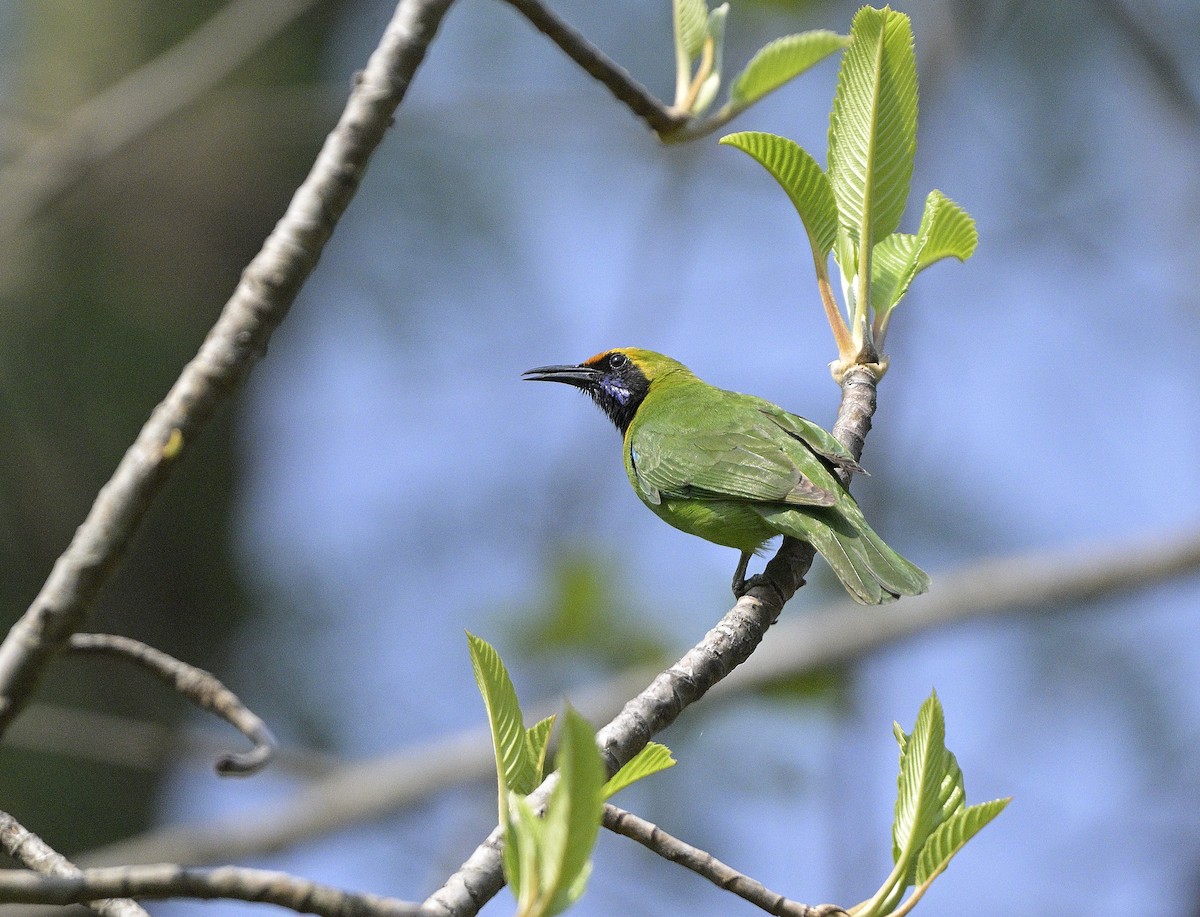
(714, 462)
(726, 452)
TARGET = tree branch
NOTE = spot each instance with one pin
(52, 164)
(262, 298)
(166, 880)
(31, 851)
(723, 648)
(200, 687)
(704, 864)
(661, 119)
(836, 634)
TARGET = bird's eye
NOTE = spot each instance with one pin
(618, 360)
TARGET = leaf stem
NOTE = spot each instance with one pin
(707, 56)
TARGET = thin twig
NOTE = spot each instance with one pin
(262, 298)
(51, 165)
(200, 687)
(661, 119)
(832, 635)
(704, 864)
(32, 852)
(166, 880)
(723, 648)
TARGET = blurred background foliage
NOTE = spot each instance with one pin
(386, 481)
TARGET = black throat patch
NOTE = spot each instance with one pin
(619, 392)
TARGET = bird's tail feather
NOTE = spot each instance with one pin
(870, 570)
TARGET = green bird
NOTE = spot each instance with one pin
(736, 470)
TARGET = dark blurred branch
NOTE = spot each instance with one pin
(138, 744)
(704, 864)
(1159, 60)
(262, 298)
(32, 852)
(52, 164)
(802, 644)
(166, 880)
(661, 119)
(723, 648)
(200, 687)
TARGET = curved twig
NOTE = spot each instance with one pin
(262, 298)
(661, 119)
(166, 880)
(32, 852)
(202, 688)
(723, 648)
(704, 864)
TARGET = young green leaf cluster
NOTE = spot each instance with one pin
(699, 53)
(932, 821)
(854, 208)
(547, 859)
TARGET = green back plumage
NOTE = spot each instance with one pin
(736, 470)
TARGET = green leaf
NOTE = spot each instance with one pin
(524, 836)
(708, 89)
(930, 785)
(650, 760)
(691, 27)
(781, 60)
(572, 814)
(799, 175)
(514, 768)
(946, 231)
(873, 125)
(953, 834)
(893, 266)
(537, 739)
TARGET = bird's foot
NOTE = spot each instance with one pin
(743, 585)
(740, 583)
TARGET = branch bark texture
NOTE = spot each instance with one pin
(661, 119)
(166, 880)
(239, 338)
(704, 864)
(200, 687)
(32, 852)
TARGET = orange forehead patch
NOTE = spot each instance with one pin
(592, 361)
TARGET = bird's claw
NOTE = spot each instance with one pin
(742, 585)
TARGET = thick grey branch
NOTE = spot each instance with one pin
(262, 298)
(704, 864)
(723, 648)
(32, 852)
(200, 687)
(166, 880)
(638, 98)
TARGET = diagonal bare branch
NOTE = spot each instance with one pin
(200, 687)
(661, 119)
(262, 298)
(31, 851)
(704, 864)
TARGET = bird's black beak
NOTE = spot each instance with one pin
(581, 376)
